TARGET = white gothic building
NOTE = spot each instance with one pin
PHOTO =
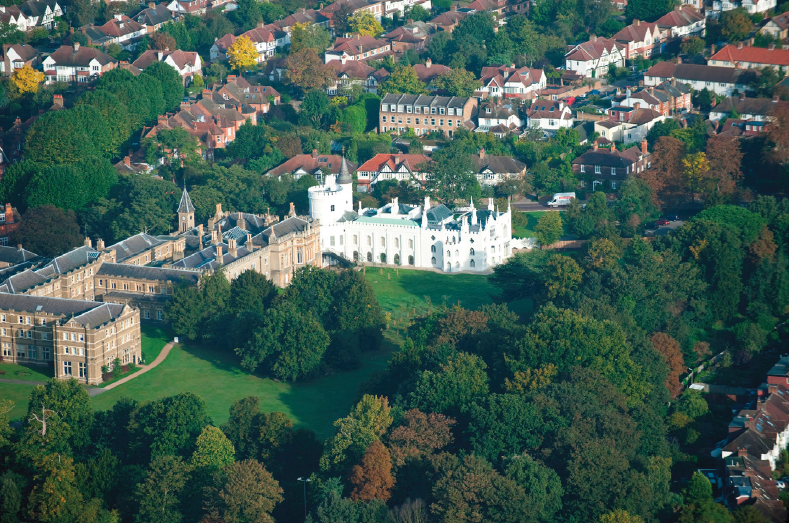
(418, 236)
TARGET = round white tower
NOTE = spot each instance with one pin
(328, 202)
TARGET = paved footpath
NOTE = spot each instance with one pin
(143, 369)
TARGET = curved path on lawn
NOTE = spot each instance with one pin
(143, 369)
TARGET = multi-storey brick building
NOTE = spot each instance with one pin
(425, 114)
(77, 337)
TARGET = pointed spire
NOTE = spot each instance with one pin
(186, 203)
(345, 173)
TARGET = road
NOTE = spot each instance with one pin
(526, 205)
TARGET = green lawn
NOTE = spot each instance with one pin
(527, 230)
(154, 338)
(23, 372)
(402, 291)
(217, 378)
(19, 394)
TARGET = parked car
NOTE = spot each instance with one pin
(662, 221)
(651, 225)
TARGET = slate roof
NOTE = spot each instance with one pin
(498, 164)
(285, 227)
(703, 73)
(100, 315)
(760, 106)
(186, 203)
(134, 245)
(438, 214)
(252, 222)
(123, 270)
(22, 281)
(609, 159)
(73, 259)
(457, 102)
(57, 306)
(37, 8)
(158, 14)
(13, 255)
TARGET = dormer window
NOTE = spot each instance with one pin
(488, 110)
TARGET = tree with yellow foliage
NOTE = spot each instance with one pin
(27, 79)
(242, 54)
(365, 24)
(696, 169)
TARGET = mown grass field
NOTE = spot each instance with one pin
(527, 230)
(217, 378)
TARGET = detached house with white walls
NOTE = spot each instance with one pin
(593, 59)
(41, 13)
(411, 168)
(549, 116)
(359, 48)
(720, 80)
(747, 57)
(683, 22)
(641, 39)
(77, 64)
(187, 64)
(499, 118)
(509, 82)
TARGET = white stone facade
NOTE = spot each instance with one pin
(417, 236)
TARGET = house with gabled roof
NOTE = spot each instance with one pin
(77, 64)
(154, 16)
(510, 82)
(755, 109)
(499, 118)
(492, 170)
(747, 57)
(449, 20)
(16, 56)
(429, 71)
(310, 165)
(349, 72)
(720, 80)
(41, 12)
(777, 26)
(631, 123)
(186, 63)
(413, 35)
(358, 48)
(14, 17)
(120, 30)
(610, 167)
(683, 22)
(593, 59)
(411, 168)
(549, 116)
(641, 39)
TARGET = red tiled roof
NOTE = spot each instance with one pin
(394, 161)
(756, 55)
(636, 32)
(680, 17)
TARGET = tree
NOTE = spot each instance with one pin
(314, 107)
(168, 144)
(453, 175)
(243, 427)
(457, 82)
(452, 388)
(778, 133)
(355, 118)
(724, 156)
(242, 55)
(115, 114)
(11, 494)
(749, 514)
(158, 495)
(246, 492)
(692, 46)
(251, 291)
(364, 23)
(26, 79)
(419, 435)
(562, 275)
(213, 450)
(309, 36)
(307, 71)
(48, 231)
(648, 9)
(56, 138)
(366, 423)
(172, 83)
(549, 228)
(372, 478)
(55, 499)
(620, 516)
(403, 80)
(672, 353)
(692, 404)
(665, 176)
(162, 41)
(59, 417)
(696, 170)
(541, 484)
(735, 24)
(289, 343)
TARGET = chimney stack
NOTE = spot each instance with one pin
(57, 100)
(482, 154)
(249, 245)
(214, 237)
(99, 244)
(740, 45)
(219, 256)
(241, 223)
(292, 211)
(613, 146)
(742, 96)
(231, 248)
(127, 161)
(428, 63)
(594, 145)
(88, 243)
(644, 146)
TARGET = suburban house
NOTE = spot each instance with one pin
(77, 64)
(777, 26)
(213, 124)
(14, 17)
(186, 63)
(592, 59)
(641, 39)
(509, 82)
(747, 57)
(628, 124)
(283, 28)
(10, 220)
(720, 80)
(375, 7)
(350, 72)
(683, 22)
(237, 91)
(663, 98)
(610, 167)
(154, 16)
(499, 118)
(41, 12)
(358, 48)
(188, 7)
(16, 56)
(120, 30)
(399, 167)
(492, 170)
(314, 165)
(549, 116)
(749, 109)
(751, 6)
(429, 71)
(413, 35)
(449, 21)
(426, 114)
(401, 6)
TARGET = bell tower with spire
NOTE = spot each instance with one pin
(186, 213)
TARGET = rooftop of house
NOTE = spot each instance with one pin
(756, 55)
(636, 32)
(76, 56)
(310, 163)
(142, 272)
(23, 51)
(351, 68)
(429, 71)
(154, 14)
(180, 58)
(782, 21)
(743, 105)
(394, 161)
(609, 158)
(704, 73)
(425, 100)
(88, 313)
(134, 245)
(593, 49)
(549, 109)
(497, 164)
(15, 255)
(681, 16)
